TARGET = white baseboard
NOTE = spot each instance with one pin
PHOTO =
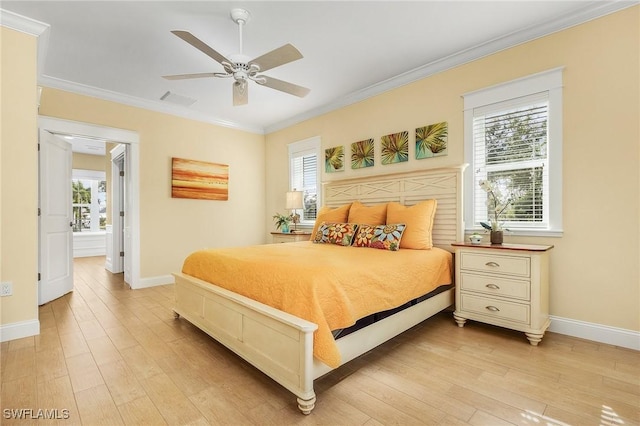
(89, 244)
(89, 252)
(18, 330)
(596, 332)
(153, 281)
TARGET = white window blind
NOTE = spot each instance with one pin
(304, 176)
(510, 142)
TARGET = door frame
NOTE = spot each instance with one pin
(112, 134)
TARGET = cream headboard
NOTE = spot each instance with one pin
(443, 184)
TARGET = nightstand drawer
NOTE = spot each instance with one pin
(492, 263)
(290, 237)
(496, 286)
(278, 239)
(495, 308)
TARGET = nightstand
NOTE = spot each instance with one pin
(505, 285)
(290, 237)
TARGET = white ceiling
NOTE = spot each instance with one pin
(119, 50)
(86, 146)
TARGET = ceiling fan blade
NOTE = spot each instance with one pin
(240, 93)
(275, 58)
(283, 86)
(201, 46)
(187, 76)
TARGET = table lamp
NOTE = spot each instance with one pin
(294, 202)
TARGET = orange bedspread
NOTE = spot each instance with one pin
(332, 286)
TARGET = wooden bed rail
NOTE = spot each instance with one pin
(275, 342)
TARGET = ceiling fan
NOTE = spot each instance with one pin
(240, 68)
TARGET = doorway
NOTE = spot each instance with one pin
(130, 198)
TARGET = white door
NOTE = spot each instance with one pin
(126, 201)
(56, 232)
(117, 208)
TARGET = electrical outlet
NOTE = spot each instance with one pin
(6, 289)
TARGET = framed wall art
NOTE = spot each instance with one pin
(362, 153)
(199, 180)
(334, 159)
(431, 141)
(395, 148)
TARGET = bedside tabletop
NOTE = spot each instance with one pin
(505, 246)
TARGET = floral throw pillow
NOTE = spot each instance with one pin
(385, 237)
(335, 233)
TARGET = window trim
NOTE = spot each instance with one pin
(310, 145)
(547, 81)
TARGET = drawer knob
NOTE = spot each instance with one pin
(492, 264)
(493, 286)
(492, 308)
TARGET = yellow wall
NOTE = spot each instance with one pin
(594, 273)
(171, 228)
(89, 162)
(19, 175)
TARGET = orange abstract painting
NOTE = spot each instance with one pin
(199, 180)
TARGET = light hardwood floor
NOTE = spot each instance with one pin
(111, 356)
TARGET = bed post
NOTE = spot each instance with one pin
(307, 399)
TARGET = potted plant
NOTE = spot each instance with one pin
(475, 238)
(282, 222)
(498, 205)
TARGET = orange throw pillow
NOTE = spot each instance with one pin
(327, 214)
(419, 221)
(369, 215)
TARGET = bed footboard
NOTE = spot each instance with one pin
(278, 344)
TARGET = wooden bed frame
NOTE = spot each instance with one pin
(280, 344)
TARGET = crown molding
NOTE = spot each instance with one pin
(22, 23)
(592, 11)
(32, 27)
(175, 110)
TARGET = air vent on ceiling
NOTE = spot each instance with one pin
(177, 99)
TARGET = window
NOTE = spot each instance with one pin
(513, 139)
(304, 175)
(89, 200)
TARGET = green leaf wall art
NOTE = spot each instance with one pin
(395, 148)
(362, 154)
(431, 141)
(334, 159)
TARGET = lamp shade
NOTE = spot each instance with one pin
(294, 200)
